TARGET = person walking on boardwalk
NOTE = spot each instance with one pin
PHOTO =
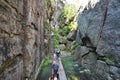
(55, 69)
(54, 57)
(58, 54)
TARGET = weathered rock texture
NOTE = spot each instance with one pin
(21, 38)
(99, 35)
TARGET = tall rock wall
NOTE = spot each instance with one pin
(21, 38)
(99, 38)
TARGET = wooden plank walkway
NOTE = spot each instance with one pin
(62, 74)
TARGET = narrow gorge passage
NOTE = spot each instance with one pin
(46, 70)
(87, 32)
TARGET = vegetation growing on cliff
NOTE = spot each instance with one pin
(67, 16)
(69, 11)
(56, 38)
(67, 20)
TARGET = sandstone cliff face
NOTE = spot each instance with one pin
(99, 36)
(21, 38)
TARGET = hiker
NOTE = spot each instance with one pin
(58, 54)
(54, 57)
(55, 69)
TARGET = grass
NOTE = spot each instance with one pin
(47, 61)
(68, 64)
(45, 69)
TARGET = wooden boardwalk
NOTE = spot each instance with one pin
(62, 74)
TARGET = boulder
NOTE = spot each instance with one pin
(72, 45)
(101, 70)
(115, 71)
(62, 40)
(72, 35)
(84, 50)
(65, 53)
(61, 46)
(89, 61)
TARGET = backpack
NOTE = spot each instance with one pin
(55, 68)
